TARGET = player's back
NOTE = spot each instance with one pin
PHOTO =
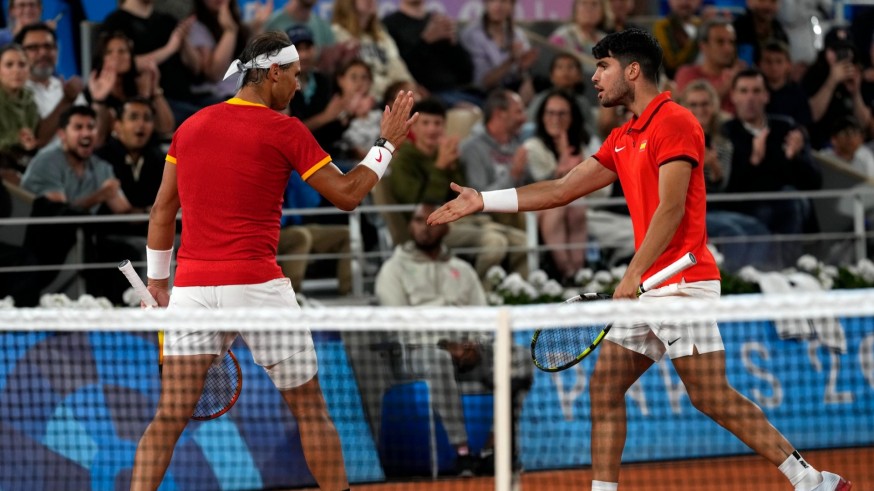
(233, 162)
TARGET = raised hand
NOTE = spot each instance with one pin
(101, 85)
(468, 202)
(73, 86)
(396, 122)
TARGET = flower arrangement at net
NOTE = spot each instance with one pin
(859, 275)
(512, 289)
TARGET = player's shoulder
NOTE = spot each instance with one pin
(673, 117)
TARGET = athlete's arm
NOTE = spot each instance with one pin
(162, 225)
(674, 180)
(345, 191)
(586, 177)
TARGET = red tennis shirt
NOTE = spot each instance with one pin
(665, 132)
(233, 161)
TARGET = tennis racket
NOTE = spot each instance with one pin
(554, 350)
(224, 379)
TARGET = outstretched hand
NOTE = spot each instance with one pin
(396, 119)
(468, 202)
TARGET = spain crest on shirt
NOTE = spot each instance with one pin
(643, 145)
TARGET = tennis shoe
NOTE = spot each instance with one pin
(833, 482)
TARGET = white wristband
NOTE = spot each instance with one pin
(377, 160)
(502, 200)
(388, 145)
(158, 263)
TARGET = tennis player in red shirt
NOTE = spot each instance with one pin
(657, 156)
(227, 168)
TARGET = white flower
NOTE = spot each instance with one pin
(603, 277)
(827, 281)
(749, 274)
(130, 298)
(807, 263)
(495, 299)
(830, 271)
(495, 275)
(866, 270)
(7, 303)
(618, 271)
(86, 301)
(552, 288)
(104, 303)
(514, 284)
(538, 279)
(54, 301)
(717, 256)
(583, 276)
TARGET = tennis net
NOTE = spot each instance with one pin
(424, 398)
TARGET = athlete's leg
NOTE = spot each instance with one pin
(181, 385)
(318, 436)
(616, 370)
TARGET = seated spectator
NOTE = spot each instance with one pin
(299, 238)
(559, 144)
(757, 26)
(422, 272)
(584, 31)
(300, 13)
(770, 154)
(848, 144)
(621, 10)
(719, 62)
(160, 40)
(701, 99)
(69, 179)
(115, 78)
(833, 86)
(51, 94)
(218, 35)
(315, 103)
(500, 51)
(566, 73)
(428, 43)
(22, 13)
(488, 155)
(677, 33)
(19, 114)
(136, 157)
(786, 97)
(357, 21)
(422, 170)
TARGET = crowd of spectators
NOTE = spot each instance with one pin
(768, 88)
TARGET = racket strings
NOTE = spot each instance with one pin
(560, 346)
(221, 387)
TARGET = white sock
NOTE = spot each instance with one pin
(604, 486)
(800, 474)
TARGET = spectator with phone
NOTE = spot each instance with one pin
(833, 85)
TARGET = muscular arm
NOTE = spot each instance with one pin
(162, 219)
(586, 177)
(673, 184)
(345, 191)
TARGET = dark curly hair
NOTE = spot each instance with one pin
(632, 45)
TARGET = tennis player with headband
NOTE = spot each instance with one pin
(227, 168)
(657, 157)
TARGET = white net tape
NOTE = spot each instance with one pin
(846, 303)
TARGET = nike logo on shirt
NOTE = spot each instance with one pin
(618, 149)
(672, 342)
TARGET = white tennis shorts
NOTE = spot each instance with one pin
(268, 348)
(677, 339)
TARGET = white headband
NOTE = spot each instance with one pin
(285, 56)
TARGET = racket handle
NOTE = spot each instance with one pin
(685, 262)
(137, 283)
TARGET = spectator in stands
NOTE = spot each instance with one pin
(315, 104)
(770, 154)
(566, 73)
(583, 31)
(428, 43)
(801, 19)
(833, 85)
(22, 13)
(560, 142)
(51, 94)
(161, 40)
(488, 156)
(115, 78)
(422, 170)
(354, 81)
(786, 97)
(422, 272)
(701, 99)
(19, 114)
(136, 156)
(300, 13)
(677, 33)
(757, 26)
(848, 144)
(501, 53)
(719, 62)
(300, 236)
(356, 20)
(69, 179)
(218, 35)
(621, 10)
